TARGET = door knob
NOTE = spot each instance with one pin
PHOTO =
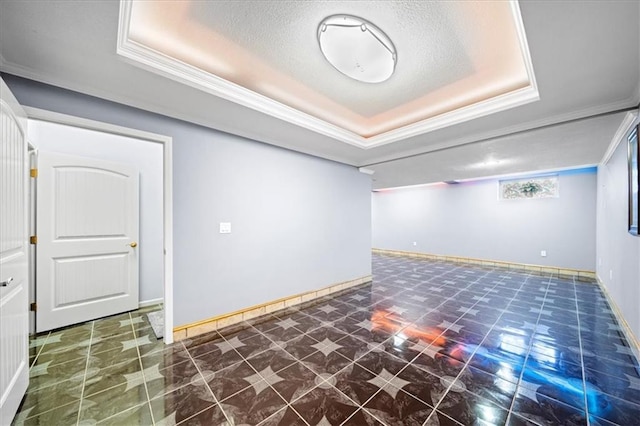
(7, 282)
(133, 244)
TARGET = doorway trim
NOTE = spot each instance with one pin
(167, 171)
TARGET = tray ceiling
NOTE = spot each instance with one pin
(586, 56)
(456, 61)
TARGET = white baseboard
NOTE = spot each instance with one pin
(150, 302)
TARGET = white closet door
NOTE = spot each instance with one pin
(14, 337)
(87, 226)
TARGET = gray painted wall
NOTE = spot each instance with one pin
(298, 222)
(618, 252)
(147, 158)
(468, 220)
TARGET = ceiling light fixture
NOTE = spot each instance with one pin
(357, 48)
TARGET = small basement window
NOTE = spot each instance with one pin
(538, 187)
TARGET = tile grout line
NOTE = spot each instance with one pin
(503, 312)
(528, 275)
(144, 379)
(287, 405)
(452, 297)
(584, 375)
(86, 368)
(447, 299)
(551, 277)
(526, 358)
(294, 410)
(435, 408)
(529, 348)
(362, 406)
(31, 366)
(244, 359)
(407, 325)
(207, 385)
(40, 350)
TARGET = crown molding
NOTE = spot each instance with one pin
(159, 63)
(162, 109)
(632, 100)
(480, 109)
(554, 120)
(458, 116)
(630, 119)
(636, 95)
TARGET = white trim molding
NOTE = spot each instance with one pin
(167, 170)
(159, 63)
(150, 302)
(624, 128)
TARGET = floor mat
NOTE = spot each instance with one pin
(156, 318)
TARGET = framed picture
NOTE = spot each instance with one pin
(633, 160)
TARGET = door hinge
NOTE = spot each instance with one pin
(33, 307)
(33, 239)
(34, 173)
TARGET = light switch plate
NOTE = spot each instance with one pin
(225, 227)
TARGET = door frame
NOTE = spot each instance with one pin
(167, 171)
(32, 152)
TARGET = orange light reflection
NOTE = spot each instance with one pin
(390, 322)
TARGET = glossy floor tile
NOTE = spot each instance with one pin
(427, 343)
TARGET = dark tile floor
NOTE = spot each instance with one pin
(428, 343)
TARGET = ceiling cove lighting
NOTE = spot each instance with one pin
(357, 48)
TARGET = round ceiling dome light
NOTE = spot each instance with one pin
(357, 48)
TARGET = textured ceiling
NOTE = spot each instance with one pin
(586, 57)
(451, 55)
(432, 53)
(562, 146)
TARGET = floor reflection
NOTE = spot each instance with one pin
(427, 343)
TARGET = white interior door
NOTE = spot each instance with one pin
(14, 338)
(87, 226)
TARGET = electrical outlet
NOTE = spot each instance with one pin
(415, 243)
(543, 253)
(225, 227)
